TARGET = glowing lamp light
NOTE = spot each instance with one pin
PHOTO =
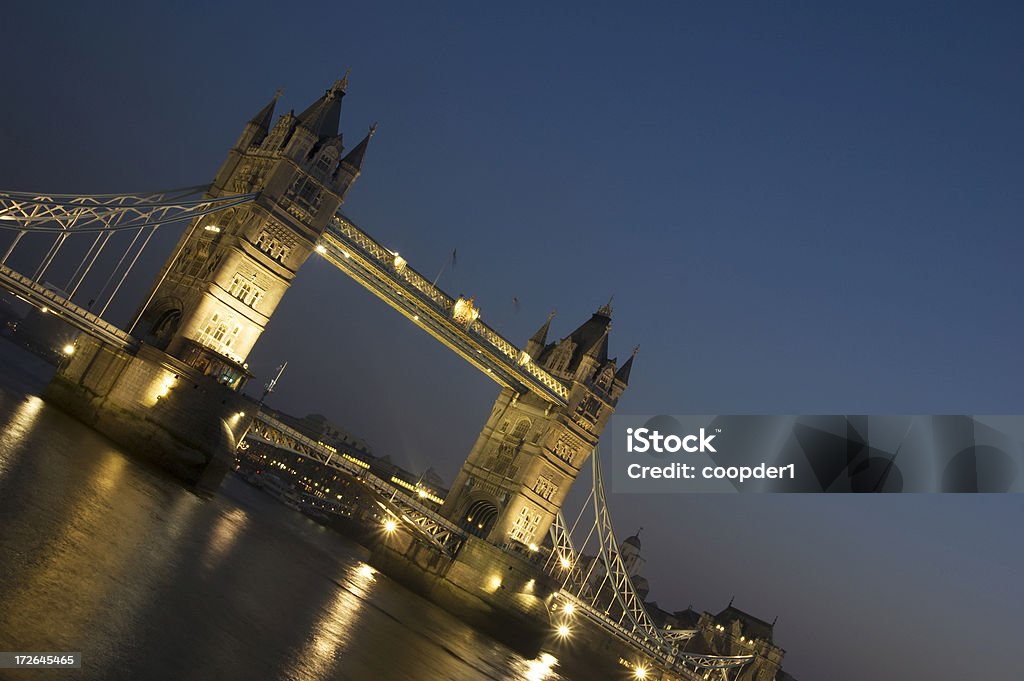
(565, 562)
(321, 249)
(44, 309)
(212, 228)
(400, 263)
(564, 631)
(390, 526)
(569, 609)
(534, 547)
(68, 349)
(165, 387)
(640, 672)
(465, 312)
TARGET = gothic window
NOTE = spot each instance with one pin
(525, 527)
(306, 191)
(566, 447)
(501, 463)
(325, 161)
(545, 487)
(561, 356)
(272, 246)
(245, 290)
(589, 407)
(604, 379)
(521, 429)
(219, 333)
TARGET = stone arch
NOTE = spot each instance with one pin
(162, 322)
(479, 517)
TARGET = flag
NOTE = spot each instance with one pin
(453, 258)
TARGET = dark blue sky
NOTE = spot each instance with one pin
(798, 208)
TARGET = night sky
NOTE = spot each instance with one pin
(798, 209)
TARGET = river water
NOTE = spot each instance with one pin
(102, 554)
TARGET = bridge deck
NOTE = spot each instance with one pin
(391, 279)
(417, 516)
(47, 300)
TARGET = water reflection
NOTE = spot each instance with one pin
(333, 630)
(22, 420)
(541, 669)
(226, 529)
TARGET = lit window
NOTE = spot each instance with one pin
(525, 526)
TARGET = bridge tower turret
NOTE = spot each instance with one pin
(229, 271)
(529, 452)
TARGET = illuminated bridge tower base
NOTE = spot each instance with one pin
(174, 396)
(530, 451)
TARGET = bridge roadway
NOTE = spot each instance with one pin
(49, 301)
(416, 516)
(454, 322)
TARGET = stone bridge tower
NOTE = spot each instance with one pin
(215, 296)
(529, 452)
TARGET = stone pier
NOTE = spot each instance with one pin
(154, 406)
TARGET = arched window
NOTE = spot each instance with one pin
(326, 161)
(561, 355)
(521, 429)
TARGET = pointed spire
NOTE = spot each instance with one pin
(323, 115)
(535, 346)
(622, 374)
(354, 158)
(606, 309)
(265, 116)
(541, 335)
(342, 85)
(599, 350)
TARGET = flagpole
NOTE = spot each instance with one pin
(445, 265)
(451, 260)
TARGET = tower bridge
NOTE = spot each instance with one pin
(169, 386)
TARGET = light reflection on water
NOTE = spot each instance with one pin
(226, 530)
(541, 669)
(20, 421)
(102, 554)
(338, 619)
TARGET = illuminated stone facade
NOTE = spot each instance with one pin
(229, 271)
(530, 452)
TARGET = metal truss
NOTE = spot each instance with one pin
(421, 521)
(80, 213)
(453, 321)
(102, 215)
(600, 588)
